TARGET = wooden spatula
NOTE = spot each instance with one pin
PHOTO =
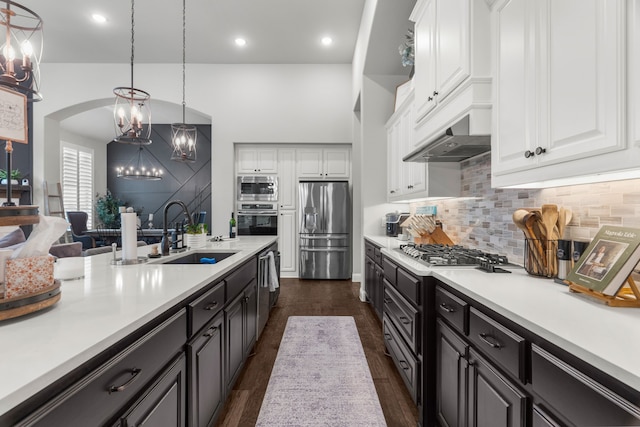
(549, 220)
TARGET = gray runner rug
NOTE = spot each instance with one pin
(321, 377)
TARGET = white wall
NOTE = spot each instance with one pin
(247, 103)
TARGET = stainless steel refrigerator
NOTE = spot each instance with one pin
(325, 230)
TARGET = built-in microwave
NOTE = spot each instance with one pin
(257, 188)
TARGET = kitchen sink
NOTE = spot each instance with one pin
(194, 257)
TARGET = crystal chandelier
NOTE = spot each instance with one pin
(132, 112)
(183, 136)
(139, 168)
(23, 31)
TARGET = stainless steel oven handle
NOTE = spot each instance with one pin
(333, 249)
(272, 213)
(323, 237)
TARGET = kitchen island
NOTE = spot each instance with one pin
(98, 312)
(558, 338)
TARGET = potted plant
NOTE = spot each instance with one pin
(196, 235)
(107, 209)
(15, 176)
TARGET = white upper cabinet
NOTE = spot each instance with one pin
(452, 76)
(324, 163)
(442, 51)
(257, 160)
(414, 180)
(633, 74)
(559, 88)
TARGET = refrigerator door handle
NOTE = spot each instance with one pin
(333, 249)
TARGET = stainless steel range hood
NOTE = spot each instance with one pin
(454, 146)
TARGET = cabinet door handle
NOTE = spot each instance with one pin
(388, 300)
(211, 306)
(446, 308)
(528, 154)
(404, 320)
(540, 150)
(119, 388)
(404, 365)
(210, 332)
(490, 340)
(245, 299)
(430, 98)
(435, 93)
(388, 337)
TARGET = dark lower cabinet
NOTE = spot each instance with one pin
(206, 366)
(240, 328)
(373, 276)
(451, 377)
(577, 397)
(542, 419)
(493, 399)
(165, 403)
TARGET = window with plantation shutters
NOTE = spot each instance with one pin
(77, 179)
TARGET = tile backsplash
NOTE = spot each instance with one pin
(481, 218)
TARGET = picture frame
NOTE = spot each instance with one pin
(13, 116)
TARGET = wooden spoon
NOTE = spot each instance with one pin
(549, 220)
(523, 219)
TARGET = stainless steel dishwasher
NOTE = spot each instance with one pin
(265, 295)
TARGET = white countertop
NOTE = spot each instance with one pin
(605, 337)
(96, 312)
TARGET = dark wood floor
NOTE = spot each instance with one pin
(319, 298)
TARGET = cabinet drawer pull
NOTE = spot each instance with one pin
(211, 331)
(388, 300)
(404, 320)
(119, 388)
(540, 150)
(388, 337)
(491, 341)
(211, 306)
(403, 365)
(447, 308)
(528, 154)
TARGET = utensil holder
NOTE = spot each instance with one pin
(540, 257)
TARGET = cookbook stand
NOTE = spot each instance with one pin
(627, 296)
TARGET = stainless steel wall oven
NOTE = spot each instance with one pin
(257, 219)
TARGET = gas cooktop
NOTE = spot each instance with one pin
(452, 256)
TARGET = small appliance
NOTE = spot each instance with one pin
(253, 188)
(394, 221)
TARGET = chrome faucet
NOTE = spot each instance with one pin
(165, 234)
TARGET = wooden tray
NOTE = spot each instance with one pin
(25, 304)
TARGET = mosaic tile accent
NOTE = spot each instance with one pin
(321, 377)
(481, 218)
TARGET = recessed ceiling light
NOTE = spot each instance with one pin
(100, 19)
(240, 41)
(326, 41)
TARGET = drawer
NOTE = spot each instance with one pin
(498, 343)
(103, 393)
(409, 286)
(404, 317)
(239, 279)
(576, 396)
(377, 256)
(202, 310)
(406, 363)
(390, 270)
(454, 310)
(369, 250)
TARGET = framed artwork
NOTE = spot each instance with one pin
(13, 116)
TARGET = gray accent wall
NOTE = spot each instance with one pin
(189, 182)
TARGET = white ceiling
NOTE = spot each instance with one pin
(277, 32)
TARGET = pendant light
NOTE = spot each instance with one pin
(132, 112)
(140, 168)
(23, 32)
(183, 136)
